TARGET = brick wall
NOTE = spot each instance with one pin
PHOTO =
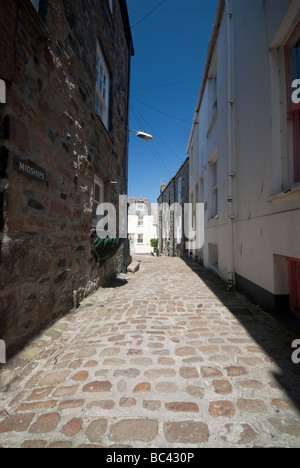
(48, 121)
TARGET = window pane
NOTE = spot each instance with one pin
(296, 61)
(215, 174)
(35, 3)
(97, 193)
(297, 149)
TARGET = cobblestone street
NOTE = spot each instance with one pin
(164, 358)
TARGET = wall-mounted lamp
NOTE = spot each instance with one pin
(144, 136)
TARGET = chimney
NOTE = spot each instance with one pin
(162, 188)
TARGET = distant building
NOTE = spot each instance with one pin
(245, 153)
(154, 210)
(140, 225)
(171, 233)
(64, 132)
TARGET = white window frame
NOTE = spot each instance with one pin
(102, 88)
(97, 182)
(140, 241)
(140, 221)
(213, 163)
(36, 4)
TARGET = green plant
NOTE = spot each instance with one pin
(153, 243)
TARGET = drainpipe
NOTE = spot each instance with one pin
(230, 148)
(126, 249)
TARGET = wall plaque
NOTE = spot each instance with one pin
(25, 167)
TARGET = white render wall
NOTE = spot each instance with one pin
(266, 228)
(146, 230)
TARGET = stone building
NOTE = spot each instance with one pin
(63, 151)
(171, 238)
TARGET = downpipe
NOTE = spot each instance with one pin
(230, 142)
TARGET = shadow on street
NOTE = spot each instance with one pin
(271, 335)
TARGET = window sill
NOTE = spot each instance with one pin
(289, 192)
(214, 119)
(213, 219)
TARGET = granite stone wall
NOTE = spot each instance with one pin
(52, 145)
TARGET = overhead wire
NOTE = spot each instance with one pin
(152, 148)
(161, 112)
(148, 14)
(165, 85)
(163, 142)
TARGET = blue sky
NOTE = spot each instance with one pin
(166, 72)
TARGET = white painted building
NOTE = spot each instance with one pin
(244, 150)
(140, 225)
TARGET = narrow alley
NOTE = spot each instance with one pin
(164, 358)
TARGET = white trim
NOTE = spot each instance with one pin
(36, 4)
(102, 88)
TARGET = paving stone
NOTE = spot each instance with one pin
(223, 387)
(188, 372)
(98, 387)
(110, 352)
(60, 445)
(71, 404)
(142, 387)
(45, 423)
(283, 404)
(36, 405)
(251, 384)
(40, 394)
(183, 407)
(185, 351)
(289, 426)
(64, 391)
(127, 402)
(80, 376)
(134, 430)
(164, 372)
(166, 387)
(251, 405)
(54, 378)
(236, 371)
(203, 372)
(208, 372)
(96, 430)
(16, 423)
(72, 427)
(153, 405)
(222, 409)
(195, 391)
(129, 373)
(141, 361)
(186, 432)
(34, 444)
(104, 404)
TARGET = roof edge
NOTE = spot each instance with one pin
(211, 48)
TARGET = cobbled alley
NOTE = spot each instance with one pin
(161, 359)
